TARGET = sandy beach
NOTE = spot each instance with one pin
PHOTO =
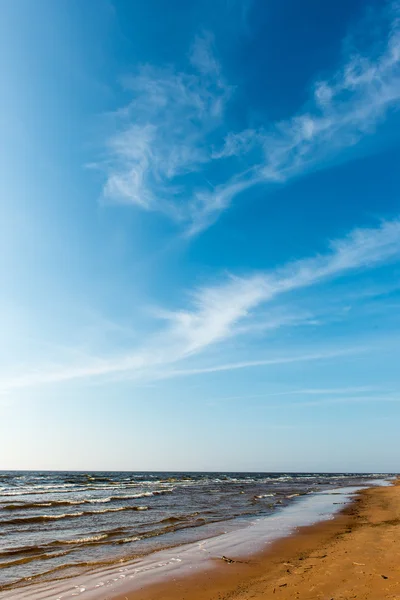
(64, 532)
(354, 555)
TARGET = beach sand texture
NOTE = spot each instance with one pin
(354, 555)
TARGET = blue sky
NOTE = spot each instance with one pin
(200, 235)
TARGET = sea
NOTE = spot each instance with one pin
(58, 525)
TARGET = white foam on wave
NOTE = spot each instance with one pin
(264, 496)
(112, 510)
(87, 513)
(84, 540)
(56, 517)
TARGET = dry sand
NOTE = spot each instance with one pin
(354, 555)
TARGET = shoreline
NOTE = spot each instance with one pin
(356, 554)
(181, 571)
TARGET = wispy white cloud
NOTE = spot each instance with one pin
(174, 127)
(271, 320)
(236, 144)
(147, 367)
(342, 391)
(329, 391)
(326, 397)
(343, 109)
(346, 400)
(217, 312)
(162, 134)
(333, 400)
(282, 360)
(202, 56)
(301, 392)
(206, 205)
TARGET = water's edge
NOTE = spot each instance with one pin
(194, 557)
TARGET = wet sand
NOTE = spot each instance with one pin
(354, 555)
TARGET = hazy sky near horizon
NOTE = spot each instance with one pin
(200, 235)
